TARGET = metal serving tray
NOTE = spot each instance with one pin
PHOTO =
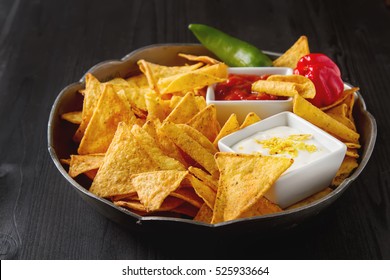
(60, 145)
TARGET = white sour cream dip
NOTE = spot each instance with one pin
(302, 150)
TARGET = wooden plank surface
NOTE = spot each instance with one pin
(45, 45)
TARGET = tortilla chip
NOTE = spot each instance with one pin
(191, 147)
(199, 137)
(303, 85)
(186, 209)
(244, 178)
(168, 204)
(189, 195)
(230, 126)
(347, 166)
(83, 163)
(262, 207)
(275, 88)
(311, 198)
(163, 142)
(251, 118)
(150, 146)
(195, 79)
(347, 96)
(185, 110)
(351, 152)
(309, 112)
(203, 191)
(291, 57)
(206, 122)
(204, 177)
(203, 58)
(155, 107)
(153, 187)
(339, 113)
(92, 95)
(109, 111)
(91, 174)
(205, 214)
(73, 117)
(155, 72)
(124, 158)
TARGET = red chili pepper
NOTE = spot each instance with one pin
(325, 75)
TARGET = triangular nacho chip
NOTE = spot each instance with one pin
(153, 187)
(185, 110)
(124, 158)
(244, 178)
(250, 119)
(293, 54)
(311, 113)
(92, 93)
(206, 122)
(230, 126)
(109, 111)
(83, 163)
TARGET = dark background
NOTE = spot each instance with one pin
(45, 45)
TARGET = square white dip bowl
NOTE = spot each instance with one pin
(310, 172)
(263, 108)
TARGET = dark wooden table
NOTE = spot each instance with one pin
(45, 45)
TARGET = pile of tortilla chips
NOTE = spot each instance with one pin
(149, 142)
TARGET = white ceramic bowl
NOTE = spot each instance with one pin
(263, 108)
(304, 180)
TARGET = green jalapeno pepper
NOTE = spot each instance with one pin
(234, 52)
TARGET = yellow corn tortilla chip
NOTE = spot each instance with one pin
(230, 126)
(83, 163)
(309, 112)
(304, 86)
(205, 214)
(275, 88)
(351, 152)
(206, 122)
(262, 207)
(250, 118)
(150, 146)
(352, 145)
(191, 147)
(164, 142)
(155, 107)
(168, 204)
(134, 90)
(109, 111)
(124, 158)
(204, 177)
(91, 174)
(199, 137)
(155, 72)
(347, 166)
(186, 209)
(185, 110)
(203, 191)
(189, 195)
(73, 117)
(244, 178)
(348, 96)
(92, 93)
(339, 113)
(291, 57)
(311, 198)
(195, 79)
(203, 58)
(154, 187)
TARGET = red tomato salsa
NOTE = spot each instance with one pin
(239, 87)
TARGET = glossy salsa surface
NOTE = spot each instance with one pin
(239, 87)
